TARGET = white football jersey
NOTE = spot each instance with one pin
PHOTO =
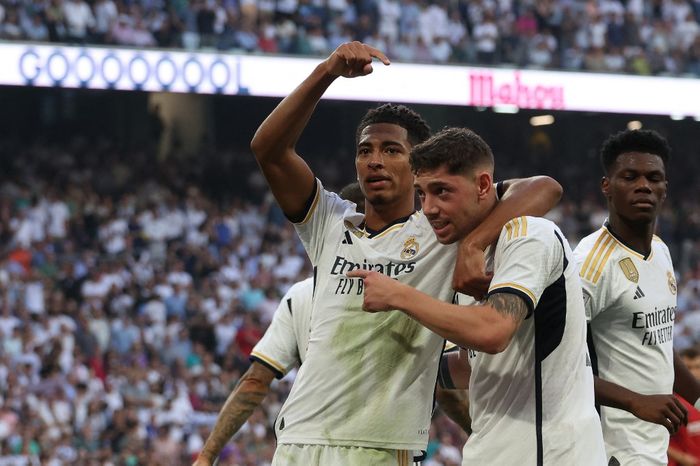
(368, 379)
(284, 344)
(631, 303)
(533, 404)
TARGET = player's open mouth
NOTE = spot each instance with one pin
(439, 226)
(377, 182)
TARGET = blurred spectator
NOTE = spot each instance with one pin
(126, 318)
(632, 37)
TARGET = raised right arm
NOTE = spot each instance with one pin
(289, 177)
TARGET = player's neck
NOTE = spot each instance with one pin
(637, 236)
(378, 217)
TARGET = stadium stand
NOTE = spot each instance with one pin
(130, 297)
(635, 36)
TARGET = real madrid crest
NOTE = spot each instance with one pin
(629, 269)
(671, 282)
(410, 248)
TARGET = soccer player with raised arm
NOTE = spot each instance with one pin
(531, 385)
(629, 288)
(284, 346)
(364, 393)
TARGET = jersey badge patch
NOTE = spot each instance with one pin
(629, 269)
(410, 248)
(671, 282)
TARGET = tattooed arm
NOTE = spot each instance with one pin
(248, 394)
(486, 327)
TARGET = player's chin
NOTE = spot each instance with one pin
(445, 235)
(642, 216)
(377, 198)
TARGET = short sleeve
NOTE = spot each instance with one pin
(278, 349)
(529, 257)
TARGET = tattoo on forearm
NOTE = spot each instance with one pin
(509, 305)
(238, 407)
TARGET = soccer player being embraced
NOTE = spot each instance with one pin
(284, 346)
(364, 392)
(531, 384)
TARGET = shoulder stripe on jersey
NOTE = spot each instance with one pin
(589, 257)
(597, 258)
(509, 230)
(289, 306)
(311, 205)
(494, 288)
(599, 271)
(516, 228)
(656, 238)
(268, 361)
(609, 243)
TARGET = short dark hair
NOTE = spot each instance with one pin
(690, 353)
(633, 140)
(460, 150)
(416, 127)
(353, 193)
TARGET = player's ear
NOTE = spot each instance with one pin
(605, 186)
(484, 182)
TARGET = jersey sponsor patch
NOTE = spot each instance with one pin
(629, 269)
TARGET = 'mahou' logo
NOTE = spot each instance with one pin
(629, 269)
(410, 248)
(671, 282)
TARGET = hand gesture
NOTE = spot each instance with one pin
(664, 410)
(470, 276)
(353, 59)
(379, 290)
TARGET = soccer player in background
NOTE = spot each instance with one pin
(281, 348)
(531, 385)
(364, 393)
(629, 289)
(684, 446)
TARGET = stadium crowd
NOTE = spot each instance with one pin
(131, 296)
(633, 36)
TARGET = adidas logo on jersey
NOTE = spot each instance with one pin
(348, 239)
(638, 294)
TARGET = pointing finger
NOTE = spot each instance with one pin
(357, 273)
(377, 54)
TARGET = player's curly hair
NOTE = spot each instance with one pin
(460, 150)
(418, 130)
(637, 140)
